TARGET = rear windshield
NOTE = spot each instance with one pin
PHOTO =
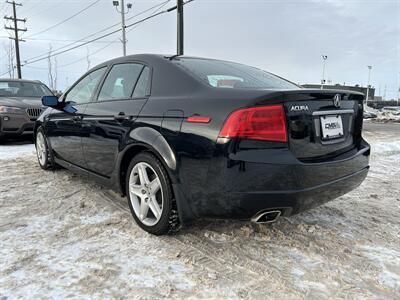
(223, 74)
(23, 89)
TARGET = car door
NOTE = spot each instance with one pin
(64, 129)
(109, 119)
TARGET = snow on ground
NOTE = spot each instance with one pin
(62, 236)
(386, 147)
(382, 116)
(387, 116)
(13, 151)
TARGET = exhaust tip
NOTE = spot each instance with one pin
(266, 216)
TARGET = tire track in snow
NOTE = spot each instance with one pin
(199, 255)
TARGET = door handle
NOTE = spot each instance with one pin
(121, 117)
(76, 119)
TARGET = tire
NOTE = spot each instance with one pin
(42, 150)
(150, 196)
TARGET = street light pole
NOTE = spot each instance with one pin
(324, 59)
(123, 27)
(369, 78)
(123, 13)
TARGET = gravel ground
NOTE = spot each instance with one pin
(63, 236)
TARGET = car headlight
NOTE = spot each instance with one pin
(10, 109)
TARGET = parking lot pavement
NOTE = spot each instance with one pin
(64, 236)
(390, 130)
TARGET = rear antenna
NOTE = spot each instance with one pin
(174, 56)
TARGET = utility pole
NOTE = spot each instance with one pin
(324, 59)
(369, 78)
(16, 30)
(123, 13)
(179, 6)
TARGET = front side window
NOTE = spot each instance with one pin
(120, 82)
(224, 74)
(83, 91)
(23, 89)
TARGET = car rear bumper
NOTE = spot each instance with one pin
(291, 202)
(15, 124)
(241, 189)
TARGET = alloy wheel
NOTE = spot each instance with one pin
(41, 148)
(146, 194)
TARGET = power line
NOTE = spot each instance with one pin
(58, 40)
(67, 19)
(85, 39)
(110, 43)
(51, 40)
(47, 69)
(98, 38)
(95, 52)
(42, 10)
(72, 48)
(162, 4)
(108, 34)
(3, 8)
(3, 74)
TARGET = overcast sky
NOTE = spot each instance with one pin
(284, 37)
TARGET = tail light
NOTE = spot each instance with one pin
(257, 123)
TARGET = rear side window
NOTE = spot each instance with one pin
(142, 88)
(120, 82)
(223, 74)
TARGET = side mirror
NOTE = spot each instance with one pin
(69, 108)
(50, 101)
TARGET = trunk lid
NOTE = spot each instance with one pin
(323, 123)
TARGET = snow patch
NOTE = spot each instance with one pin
(387, 260)
(15, 151)
(386, 147)
(96, 219)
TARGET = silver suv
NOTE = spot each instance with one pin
(20, 105)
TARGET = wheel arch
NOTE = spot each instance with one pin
(148, 140)
(36, 128)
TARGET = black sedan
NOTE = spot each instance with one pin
(20, 105)
(185, 137)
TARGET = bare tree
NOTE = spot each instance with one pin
(87, 58)
(49, 64)
(10, 55)
(55, 73)
(52, 70)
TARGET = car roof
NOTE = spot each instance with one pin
(19, 80)
(139, 57)
(168, 79)
(153, 58)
